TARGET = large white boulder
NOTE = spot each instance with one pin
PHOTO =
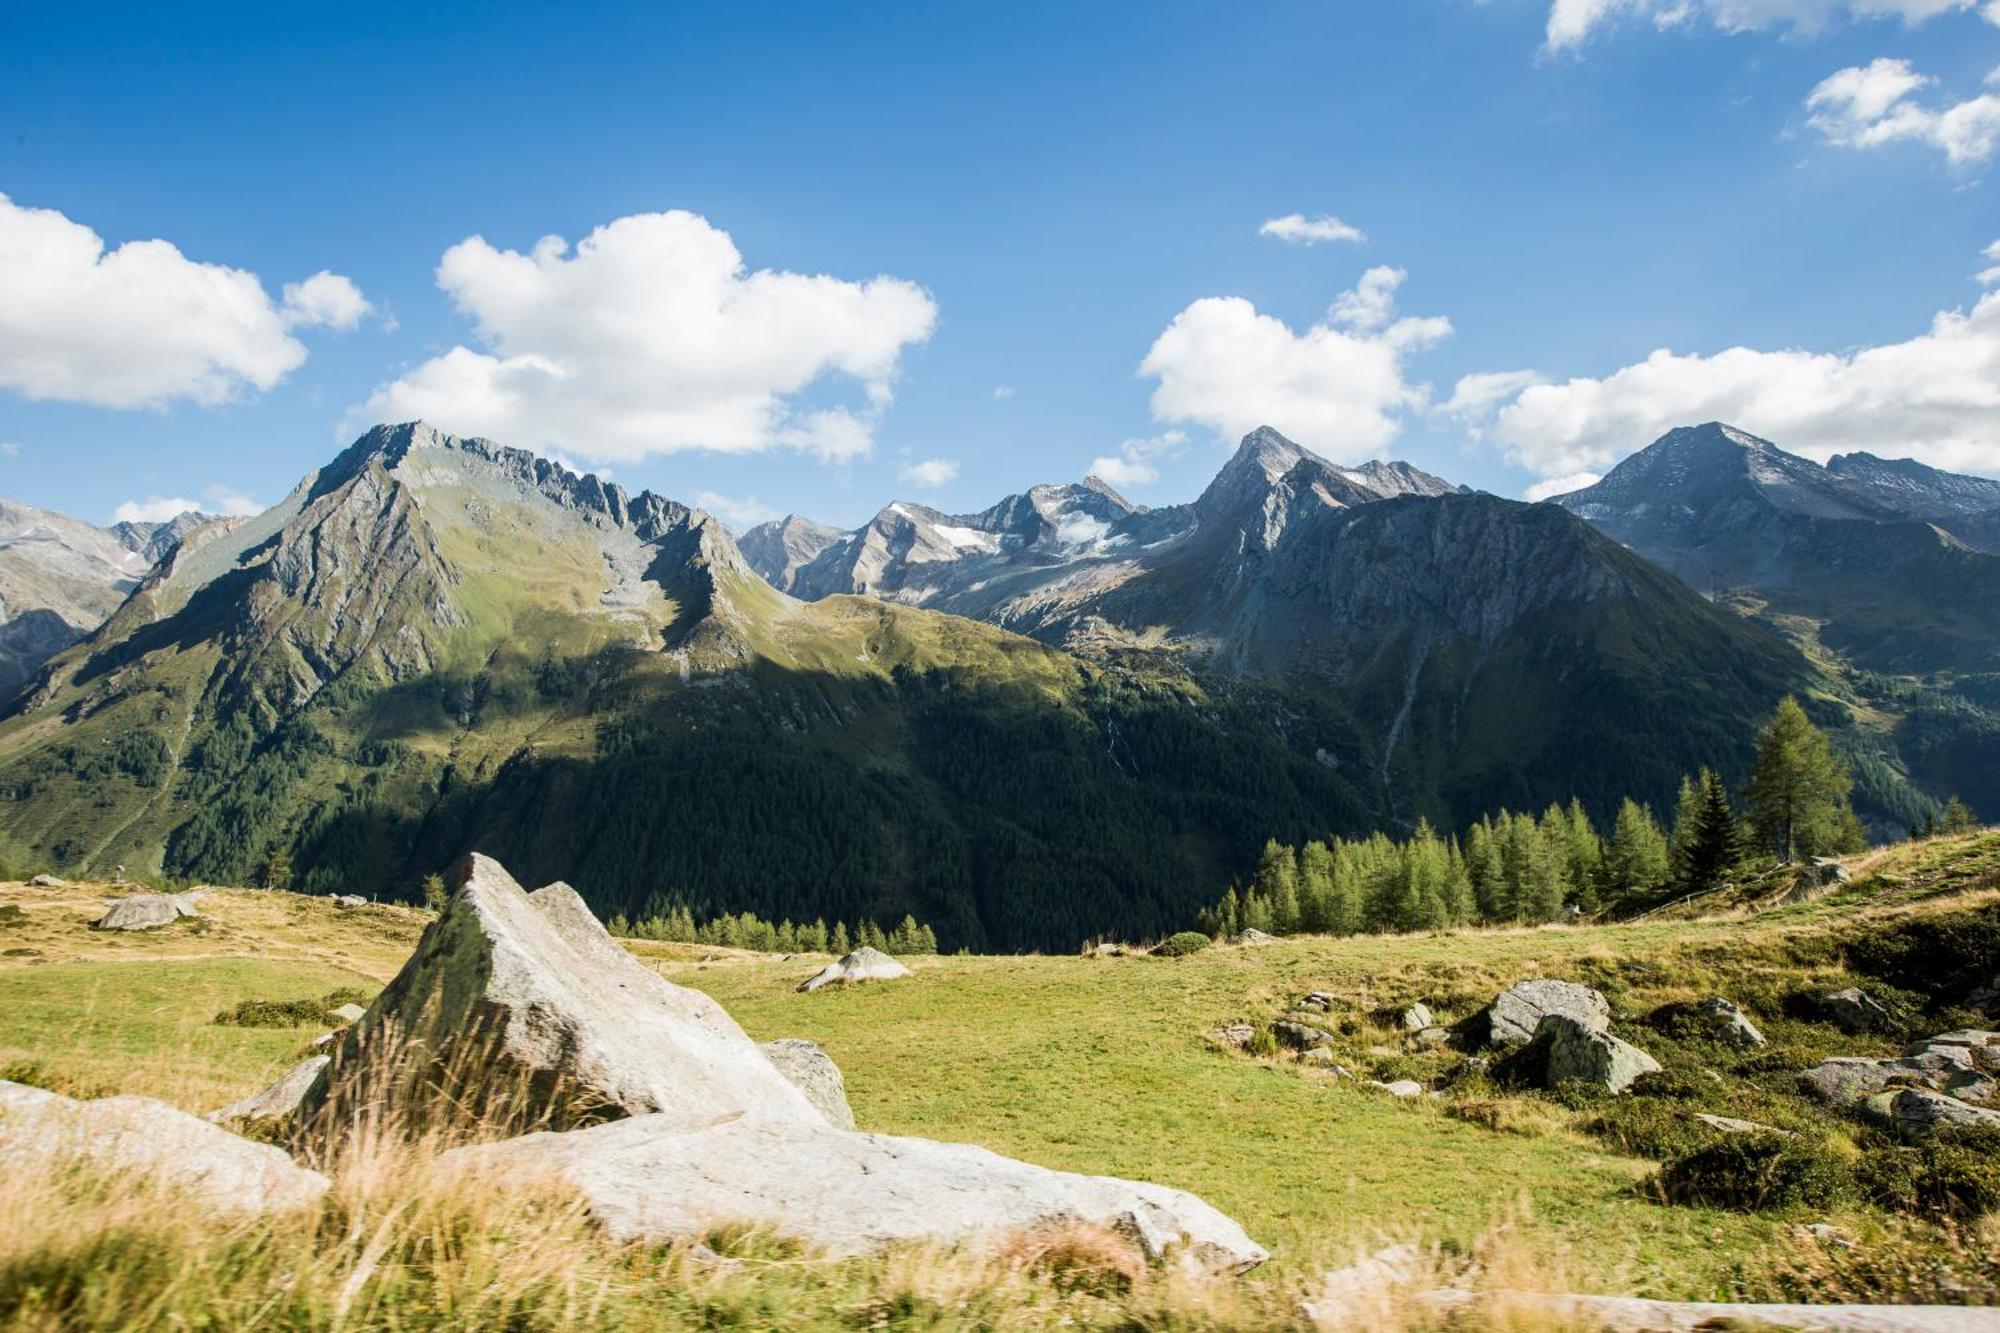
(146, 911)
(650, 1178)
(864, 964)
(813, 1072)
(199, 1162)
(518, 1009)
(527, 991)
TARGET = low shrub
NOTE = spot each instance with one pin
(1753, 1173)
(1182, 944)
(1655, 1129)
(1676, 1085)
(288, 1013)
(1527, 1117)
(1939, 957)
(1954, 1177)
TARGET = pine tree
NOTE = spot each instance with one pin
(1316, 872)
(1227, 916)
(840, 943)
(1687, 818)
(277, 869)
(1716, 847)
(1635, 857)
(1797, 798)
(1957, 817)
(1584, 853)
(1278, 883)
(434, 894)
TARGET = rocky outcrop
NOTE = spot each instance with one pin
(844, 1193)
(1963, 1063)
(1577, 1052)
(1728, 1024)
(813, 1072)
(1918, 1114)
(1516, 1014)
(1416, 1018)
(136, 1136)
(864, 964)
(526, 993)
(519, 1008)
(277, 1101)
(1300, 1036)
(1855, 1011)
(146, 911)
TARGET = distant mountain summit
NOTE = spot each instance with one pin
(60, 577)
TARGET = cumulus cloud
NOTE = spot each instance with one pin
(1298, 229)
(1866, 106)
(153, 509)
(1475, 396)
(228, 500)
(325, 299)
(1338, 386)
(1135, 463)
(1572, 21)
(1935, 396)
(651, 337)
(931, 473)
(141, 325)
(1988, 277)
(1553, 486)
(1003, 391)
(736, 514)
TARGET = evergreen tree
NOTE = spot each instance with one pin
(1797, 798)
(1957, 817)
(1635, 857)
(1227, 920)
(277, 869)
(1316, 873)
(1687, 818)
(840, 943)
(1583, 853)
(1716, 845)
(1278, 883)
(434, 894)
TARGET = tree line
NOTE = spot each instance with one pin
(747, 930)
(1519, 868)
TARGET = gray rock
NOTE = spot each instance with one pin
(49, 882)
(201, 1163)
(864, 964)
(1432, 1037)
(1590, 1055)
(1729, 1024)
(1848, 1079)
(1300, 1036)
(1322, 1057)
(814, 1073)
(275, 1102)
(519, 1006)
(1253, 936)
(349, 900)
(1403, 1088)
(1730, 1125)
(1855, 1011)
(1919, 1113)
(1416, 1018)
(651, 1178)
(1234, 1035)
(1517, 1012)
(145, 911)
(348, 1013)
(1318, 1000)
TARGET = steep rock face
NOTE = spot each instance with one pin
(59, 579)
(1917, 489)
(779, 549)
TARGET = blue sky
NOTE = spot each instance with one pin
(1043, 193)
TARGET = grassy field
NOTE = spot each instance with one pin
(1105, 1064)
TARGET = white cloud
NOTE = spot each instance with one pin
(1935, 397)
(137, 326)
(1003, 391)
(747, 512)
(1338, 386)
(222, 499)
(1571, 21)
(931, 473)
(325, 299)
(1866, 106)
(1992, 275)
(651, 337)
(1134, 463)
(153, 509)
(10, 448)
(1475, 396)
(1575, 481)
(1299, 229)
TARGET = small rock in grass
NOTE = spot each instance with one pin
(1300, 1036)
(864, 964)
(1416, 1018)
(1587, 1055)
(1855, 1011)
(1729, 1024)
(1402, 1087)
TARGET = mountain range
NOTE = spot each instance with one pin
(1060, 716)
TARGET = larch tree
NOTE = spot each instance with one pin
(1797, 798)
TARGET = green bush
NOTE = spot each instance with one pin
(1182, 944)
(288, 1013)
(1757, 1173)
(1641, 1128)
(1676, 1085)
(1954, 1177)
(1939, 957)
